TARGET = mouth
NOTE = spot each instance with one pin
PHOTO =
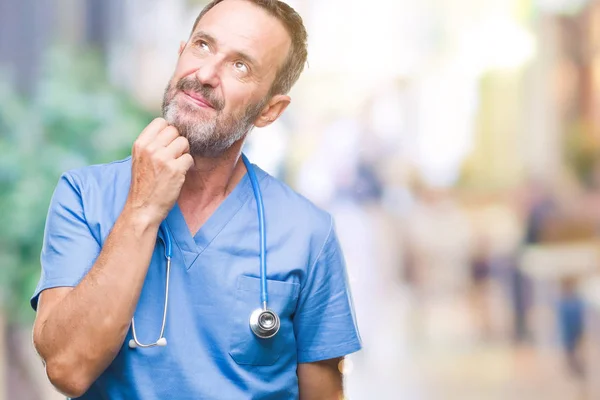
(198, 100)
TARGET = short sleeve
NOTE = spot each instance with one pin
(325, 325)
(69, 249)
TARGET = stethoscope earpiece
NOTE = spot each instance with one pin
(162, 342)
(264, 323)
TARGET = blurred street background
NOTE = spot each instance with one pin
(456, 142)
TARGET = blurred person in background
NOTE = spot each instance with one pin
(481, 270)
(101, 265)
(570, 310)
(539, 206)
(439, 243)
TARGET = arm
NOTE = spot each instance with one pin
(78, 331)
(320, 380)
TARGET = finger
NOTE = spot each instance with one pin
(185, 162)
(176, 148)
(151, 131)
(165, 137)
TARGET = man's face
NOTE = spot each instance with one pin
(223, 76)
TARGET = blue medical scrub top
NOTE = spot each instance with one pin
(214, 287)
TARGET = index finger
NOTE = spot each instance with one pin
(152, 130)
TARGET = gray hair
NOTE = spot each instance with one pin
(290, 71)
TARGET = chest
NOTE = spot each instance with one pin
(207, 324)
(211, 299)
(195, 217)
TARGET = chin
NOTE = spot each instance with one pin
(184, 119)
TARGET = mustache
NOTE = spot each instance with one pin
(192, 85)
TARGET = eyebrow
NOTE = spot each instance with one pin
(238, 53)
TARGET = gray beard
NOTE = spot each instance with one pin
(211, 138)
(205, 139)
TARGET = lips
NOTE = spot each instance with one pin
(198, 99)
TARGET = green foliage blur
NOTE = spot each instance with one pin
(74, 118)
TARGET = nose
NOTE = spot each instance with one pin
(208, 73)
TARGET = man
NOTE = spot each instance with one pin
(103, 259)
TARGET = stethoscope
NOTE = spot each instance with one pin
(264, 322)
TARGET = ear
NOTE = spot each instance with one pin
(272, 110)
(181, 46)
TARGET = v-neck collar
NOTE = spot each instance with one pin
(192, 247)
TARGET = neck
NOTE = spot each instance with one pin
(210, 180)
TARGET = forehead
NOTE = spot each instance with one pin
(239, 25)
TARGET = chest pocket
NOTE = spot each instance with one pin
(245, 347)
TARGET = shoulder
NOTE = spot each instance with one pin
(100, 192)
(100, 176)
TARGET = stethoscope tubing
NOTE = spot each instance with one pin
(262, 231)
(168, 244)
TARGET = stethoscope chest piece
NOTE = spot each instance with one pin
(264, 323)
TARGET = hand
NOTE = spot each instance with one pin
(160, 161)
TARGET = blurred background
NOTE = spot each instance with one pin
(456, 142)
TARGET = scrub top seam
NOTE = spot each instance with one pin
(78, 185)
(320, 349)
(179, 246)
(243, 201)
(312, 266)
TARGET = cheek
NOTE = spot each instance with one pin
(237, 97)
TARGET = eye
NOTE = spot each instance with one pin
(202, 44)
(240, 66)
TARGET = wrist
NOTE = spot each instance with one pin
(140, 221)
